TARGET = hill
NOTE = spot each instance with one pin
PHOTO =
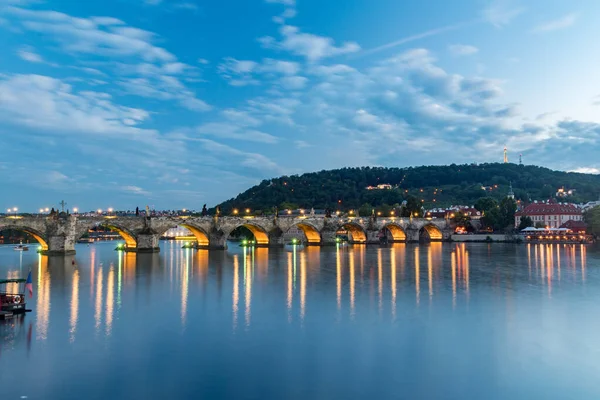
(433, 186)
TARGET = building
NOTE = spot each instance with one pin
(449, 212)
(382, 186)
(562, 192)
(579, 227)
(551, 215)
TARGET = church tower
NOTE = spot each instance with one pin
(511, 194)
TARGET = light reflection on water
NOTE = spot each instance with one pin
(339, 322)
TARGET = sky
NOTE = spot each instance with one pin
(178, 103)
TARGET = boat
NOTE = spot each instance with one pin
(21, 247)
(247, 243)
(12, 297)
(295, 242)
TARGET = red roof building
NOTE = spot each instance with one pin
(575, 226)
(551, 215)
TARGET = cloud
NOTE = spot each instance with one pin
(586, 170)
(135, 190)
(28, 54)
(557, 24)
(246, 72)
(462, 49)
(312, 47)
(290, 3)
(412, 38)
(246, 159)
(502, 12)
(142, 69)
(45, 103)
(293, 82)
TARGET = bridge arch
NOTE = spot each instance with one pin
(358, 232)
(313, 236)
(126, 234)
(261, 236)
(198, 232)
(430, 232)
(33, 232)
(397, 232)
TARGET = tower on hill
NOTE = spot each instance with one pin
(505, 155)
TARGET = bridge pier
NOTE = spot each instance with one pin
(60, 245)
(147, 243)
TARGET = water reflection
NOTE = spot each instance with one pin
(112, 294)
(74, 305)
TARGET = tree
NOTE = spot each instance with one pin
(507, 208)
(485, 204)
(540, 225)
(592, 218)
(525, 222)
(492, 219)
(413, 207)
(365, 210)
(461, 219)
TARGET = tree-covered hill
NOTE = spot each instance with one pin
(433, 186)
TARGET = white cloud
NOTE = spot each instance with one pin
(28, 54)
(230, 130)
(557, 24)
(501, 12)
(301, 144)
(293, 82)
(586, 170)
(45, 103)
(246, 72)
(134, 190)
(462, 49)
(290, 3)
(308, 45)
(412, 38)
(143, 68)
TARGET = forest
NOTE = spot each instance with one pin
(433, 186)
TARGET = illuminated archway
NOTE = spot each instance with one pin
(130, 241)
(430, 232)
(398, 234)
(260, 235)
(36, 235)
(199, 234)
(312, 234)
(357, 232)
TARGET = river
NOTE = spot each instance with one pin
(429, 321)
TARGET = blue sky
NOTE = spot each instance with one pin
(177, 103)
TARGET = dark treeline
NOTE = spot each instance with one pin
(432, 186)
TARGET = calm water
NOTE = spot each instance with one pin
(439, 321)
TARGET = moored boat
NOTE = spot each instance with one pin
(21, 247)
(12, 297)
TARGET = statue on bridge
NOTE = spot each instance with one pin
(312, 211)
(204, 211)
(137, 211)
(217, 211)
(327, 213)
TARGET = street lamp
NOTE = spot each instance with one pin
(247, 211)
(235, 211)
(99, 211)
(47, 209)
(15, 209)
(41, 210)
(110, 210)
(75, 210)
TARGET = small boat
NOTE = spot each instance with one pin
(12, 297)
(21, 247)
(295, 242)
(189, 245)
(247, 243)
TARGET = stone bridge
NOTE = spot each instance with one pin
(58, 235)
